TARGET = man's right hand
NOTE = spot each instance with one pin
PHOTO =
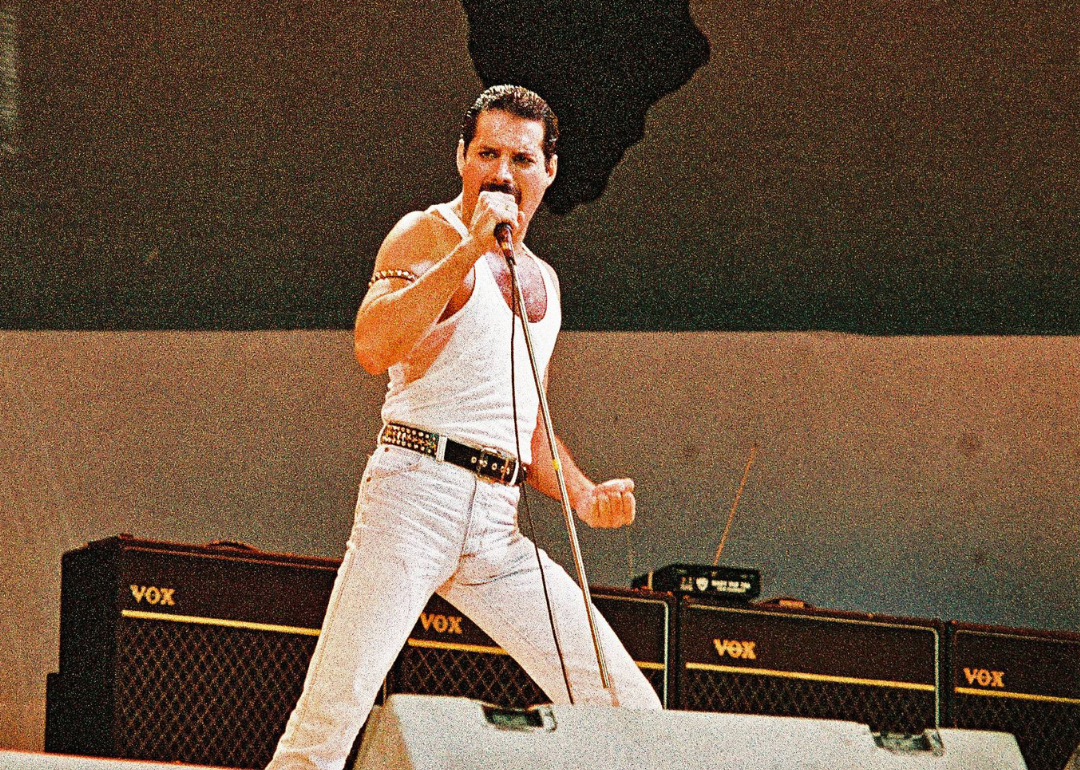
(493, 207)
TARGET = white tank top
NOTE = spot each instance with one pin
(463, 390)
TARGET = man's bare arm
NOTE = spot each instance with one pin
(610, 504)
(396, 314)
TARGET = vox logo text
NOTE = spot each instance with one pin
(984, 677)
(742, 650)
(153, 595)
(441, 624)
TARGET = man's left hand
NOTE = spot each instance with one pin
(608, 505)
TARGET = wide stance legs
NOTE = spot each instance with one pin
(421, 527)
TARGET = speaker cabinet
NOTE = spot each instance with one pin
(182, 653)
(1023, 682)
(447, 654)
(762, 659)
(434, 733)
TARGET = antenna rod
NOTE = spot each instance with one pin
(738, 494)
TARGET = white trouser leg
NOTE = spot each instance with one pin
(406, 541)
(417, 522)
(498, 586)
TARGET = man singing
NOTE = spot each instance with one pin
(436, 512)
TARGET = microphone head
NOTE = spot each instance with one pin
(504, 236)
(504, 233)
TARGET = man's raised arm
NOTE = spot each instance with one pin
(397, 312)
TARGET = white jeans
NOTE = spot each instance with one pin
(423, 526)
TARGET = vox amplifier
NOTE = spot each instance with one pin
(182, 653)
(762, 659)
(448, 654)
(1022, 682)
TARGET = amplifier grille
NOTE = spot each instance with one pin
(883, 708)
(205, 694)
(1047, 732)
(489, 677)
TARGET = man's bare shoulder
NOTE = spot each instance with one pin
(415, 241)
(419, 225)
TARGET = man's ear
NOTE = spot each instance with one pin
(461, 157)
(552, 166)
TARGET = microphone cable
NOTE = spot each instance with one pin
(524, 492)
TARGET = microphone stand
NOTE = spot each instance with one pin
(507, 245)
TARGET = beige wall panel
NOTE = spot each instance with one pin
(923, 476)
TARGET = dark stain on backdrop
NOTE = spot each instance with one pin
(892, 168)
(600, 65)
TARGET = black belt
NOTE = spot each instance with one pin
(485, 463)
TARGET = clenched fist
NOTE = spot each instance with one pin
(608, 505)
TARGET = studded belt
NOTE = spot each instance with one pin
(488, 464)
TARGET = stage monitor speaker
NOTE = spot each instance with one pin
(434, 733)
(1023, 682)
(182, 653)
(763, 659)
(448, 654)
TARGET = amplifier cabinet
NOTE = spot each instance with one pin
(761, 659)
(182, 653)
(1022, 682)
(448, 654)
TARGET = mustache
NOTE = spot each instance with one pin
(503, 187)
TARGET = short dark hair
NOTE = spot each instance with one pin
(517, 101)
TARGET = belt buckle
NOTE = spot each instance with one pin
(504, 475)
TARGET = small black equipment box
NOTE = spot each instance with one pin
(734, 583)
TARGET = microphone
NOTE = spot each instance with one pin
(504, 236)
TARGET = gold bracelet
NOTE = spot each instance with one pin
(406, 275)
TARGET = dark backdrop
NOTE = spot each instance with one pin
(882, 167)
